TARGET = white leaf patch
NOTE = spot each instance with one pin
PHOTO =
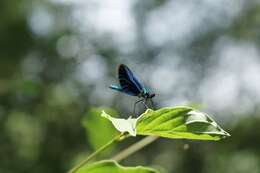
(123, 125)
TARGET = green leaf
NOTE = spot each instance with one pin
(108, 166)
(180, 122)
(99, 131)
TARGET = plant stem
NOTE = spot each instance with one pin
(94, 154)
(133, 148)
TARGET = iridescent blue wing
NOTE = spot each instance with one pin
(118, 88)
(129, 84)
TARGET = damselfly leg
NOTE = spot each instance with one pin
(136, 104)
(147, 102)
(152, 104)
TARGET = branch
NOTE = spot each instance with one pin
(134, 148)
(93, 155)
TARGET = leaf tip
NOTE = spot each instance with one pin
(227, 134)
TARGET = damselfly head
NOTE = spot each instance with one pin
(148, 95)
(152, 95)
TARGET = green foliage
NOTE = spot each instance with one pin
(171, 122)
(98, 130)
(181, 122)
(108, 166)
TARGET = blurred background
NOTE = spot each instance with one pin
(58, 57)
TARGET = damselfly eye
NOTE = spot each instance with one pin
(152, 95)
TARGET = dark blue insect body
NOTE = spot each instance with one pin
(131, 86)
